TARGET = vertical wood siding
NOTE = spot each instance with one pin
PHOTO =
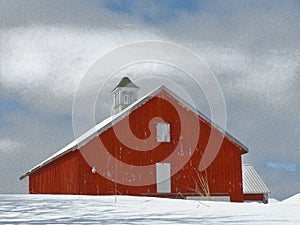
(254, 197)
(57, 177)
(71, 174)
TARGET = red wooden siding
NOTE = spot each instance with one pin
(256, 197)
(58, 177)
(71, 174)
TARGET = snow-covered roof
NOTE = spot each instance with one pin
(252, 183)
(105, 124)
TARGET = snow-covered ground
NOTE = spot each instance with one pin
(64, 209)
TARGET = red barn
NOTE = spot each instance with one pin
(158, 145)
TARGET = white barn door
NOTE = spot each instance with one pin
(163, 181)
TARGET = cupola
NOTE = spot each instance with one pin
(125, 93)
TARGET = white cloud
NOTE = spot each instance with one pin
(46, 63)
(270, 74)
(8, 146)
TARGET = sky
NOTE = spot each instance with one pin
(252, 48)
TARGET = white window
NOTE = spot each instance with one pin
(163, 132)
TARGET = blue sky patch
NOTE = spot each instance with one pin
(119, 6)
(165, 10)
(11, 105)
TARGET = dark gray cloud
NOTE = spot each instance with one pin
(253, 49)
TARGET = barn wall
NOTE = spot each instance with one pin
(94, 184)
(255, 197)
(58, 177)
(72, 173)
(224, 175)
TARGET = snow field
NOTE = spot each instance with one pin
(75, 209)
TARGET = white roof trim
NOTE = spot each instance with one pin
(105, 124)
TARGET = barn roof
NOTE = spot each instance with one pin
(252, 183)
(107, 123)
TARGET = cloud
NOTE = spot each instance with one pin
(269, 76)
(253, 49)
(45, 64)
(8, 146)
